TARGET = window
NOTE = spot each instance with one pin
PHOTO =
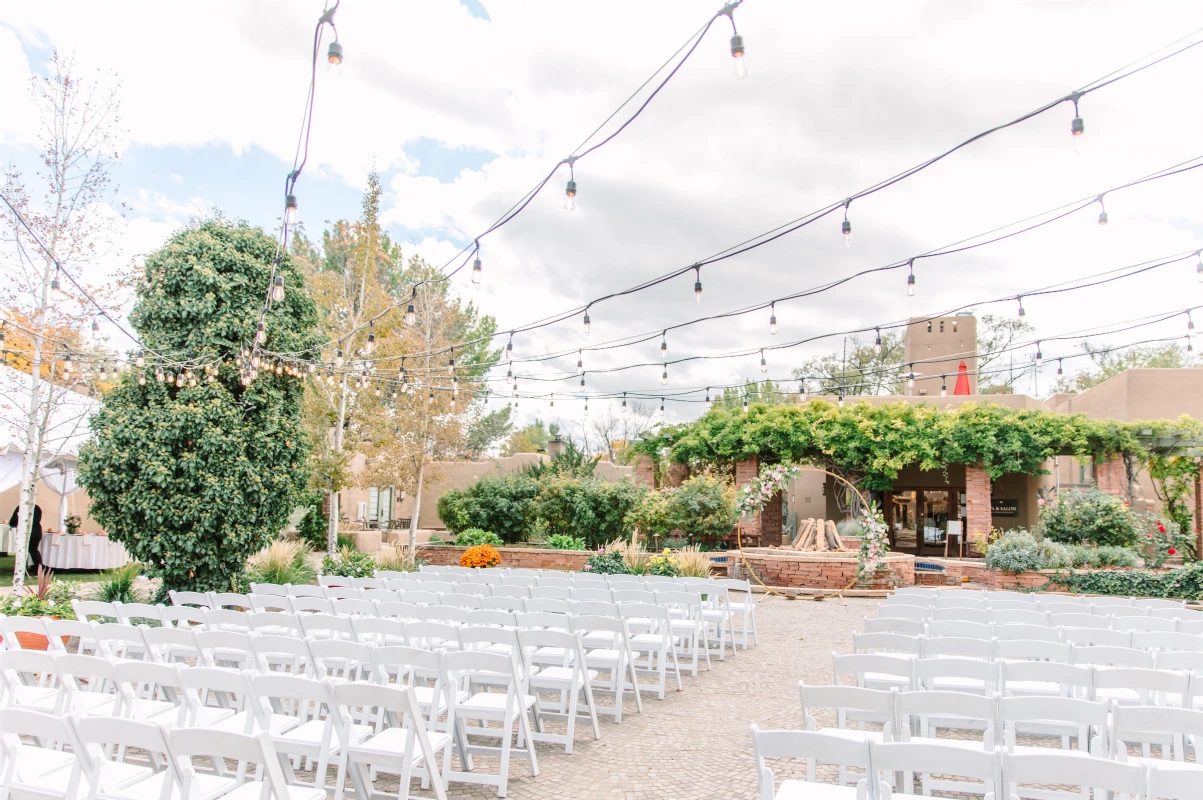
(941, 326)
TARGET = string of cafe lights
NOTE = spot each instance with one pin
(276, 290)
(1077, 129)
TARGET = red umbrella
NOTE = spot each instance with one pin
(962, 386)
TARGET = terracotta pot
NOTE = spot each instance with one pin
(32, 641)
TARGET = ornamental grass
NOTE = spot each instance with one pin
(282, 561)
(691, 562)
(397, 559)
(483, 555)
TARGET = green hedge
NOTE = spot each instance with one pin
(501, 503)
(1177, 584)
(590, 508)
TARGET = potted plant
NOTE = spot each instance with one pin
(73, 522)
(46, 598)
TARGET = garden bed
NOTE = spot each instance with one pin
(445, 555)
(797, 569)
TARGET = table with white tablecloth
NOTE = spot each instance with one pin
(81, 551)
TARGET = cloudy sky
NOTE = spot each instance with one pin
(464, 107)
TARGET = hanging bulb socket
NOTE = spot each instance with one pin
(709, 402)
(764, 365)
(773, 318)
(587, 324)
(509, 347)
(1022, 313)
(664, 377)
(260, 333)
(580, 363)
(740, 68)
(1039, 355)
(846, 229)
(335, 54)
(877, 342)
(570, 196)
(697, 284)
(661, 407)
(370, 344)
(910, 280)
(624, 402)
(1077, 127)
(290, 209)
(55, 286)
(663, 348)
(278, 288)
(338, 357)
(1059, 371)
(140, 361)
(745, 404)
(944, 386)
(411, 314)
(1102, 212)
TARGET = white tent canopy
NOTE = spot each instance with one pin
(67, 428)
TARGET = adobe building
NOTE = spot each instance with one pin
(923, 503)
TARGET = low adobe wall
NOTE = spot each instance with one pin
(958, 572)
(817, 570)
(448, 555)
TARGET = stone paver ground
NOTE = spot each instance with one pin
(696, 743)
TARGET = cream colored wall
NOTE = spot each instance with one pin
(948, 347)
(78, 503)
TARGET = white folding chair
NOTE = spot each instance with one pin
(367, 583)
(231, 601)
(743, 608)
(399, 610)
(1033, 650)
(512, 604)
(608, 650)
(379, 631)
(468, 602)
(1092, 637)
(327, 626)
(875, 670)
(151, 692)
(231, 649)
(689, 629)
(305, 590)
(1141, 686)
(894, 643)
(569, 680)
(342, 593)
(1078, 620)
(514, 591)
(311, 605)
(111, 775)
(276, 623)
(814, 748)
(341, 660)
(907, 627)
(591, 594)
(1179, 784)
(657, 645)
(1043, 633)
(1173, 729)
(221, 747)
(287, 655)
(914, 591)
(506, 708)
(1063, 718)
(959, 614)
(138, 613)
(402, 747)
(928, 759)
(921, 715)
(89, 685)
(330, 581)
(40, 769)
(1096, 777)
(453, 615)
(28, 680)
(550, 593)
(937, 646)
(1142, 624)
(269, 588)
(85, 610)
(224, 619)
(1017, 616)
(351, 607)
(270, 602)
(850, 703)
(1166, 640)
(1104, 656)
(953, 674)
(961, 628)
(1045, 679)
(194, 599)
(548, 604)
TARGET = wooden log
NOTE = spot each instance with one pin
(806, 540)
(803, 525)
(833, 537)
(821, 536)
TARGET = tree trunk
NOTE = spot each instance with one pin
(413, 520)
(332, 529)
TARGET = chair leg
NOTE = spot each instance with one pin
(503, 774)
(523, 723)
(572, 701)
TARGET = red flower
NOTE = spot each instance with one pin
(1160, 527)
(1172, 551)
(1149, 535)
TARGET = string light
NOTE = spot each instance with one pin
(141, 379)
(1190, 323)
(877, 342)
(552, 402)
(664, 377)
(103, 370)
(580, 363)
(411, 313)
(278, 288)
(1059, 370)
(159, 374)
(509, 371)
(1190, 348)
(451, 363)
(586, 321)
(910, 280)
(476, 266)
(664, 345)
(335, 54)
(841, 400)
(290, 209)
(370, 344)
(943, 386)
(910, 376)
(1077, 127)
(96, 328)
(773, 317)
(697, 283)
(764, 365)
(140, 360)
(55, 286)
(509, 347)
(586, 414)
(260, 332)
(1022, 313)
(430, 397)
(624, 402)
(1103, 212)
(709, 402)
(745, 404)
(661, 407)
(570, 189)
(1039, 355)
(846, 228)
(582, 381)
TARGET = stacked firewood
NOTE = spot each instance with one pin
(818, 536)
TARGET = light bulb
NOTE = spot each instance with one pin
(709, 402)
(661, 406)
(476, 269)
(141, 379)
(624, 402)
(586, 323)
(764, 365)
(1190, 323)
(570, 196)
(910, 285)
(260, 333)
(159, 374)
(745, 404)
(664, 349)
(737, 55)
(582, 382)
(697, 285)
(430, 397)
(1059, 372)
(96, 328)
(509, 372)
(411, 315)
(140, 361)
(846, 228)
(943, 387)
(877, 342)
(335, 54)
(1103, 217)
(772, 318)
(509, 347)
(338, 358)
(290, 209)
(551, 403)
(55, 286)
(954, 326)
(586, 414)
(451, 364)
(664, 377)
(278, 288)
(103, 371)
(255, 359)
(841, 401)
(370, 344)
(580, 363)
(1022, 313)
(1039, 356)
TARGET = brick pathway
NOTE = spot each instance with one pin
(695, 743)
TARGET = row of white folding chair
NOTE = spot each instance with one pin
(1097, 673)
(36, 762)
(1188, 621)
(902, 594)
(885, 767)
(1120, 636)
(1100, 726)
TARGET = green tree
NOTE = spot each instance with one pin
(858, 369)
(532, 438)
(995, 337)
(193, 479)
(487, 432)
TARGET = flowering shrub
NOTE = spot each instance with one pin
(760, 490)
(606, 562)
(351, 563)
(1164, 539)
(874, 544)
(664, 564)
(1091, 516)
(482, 555)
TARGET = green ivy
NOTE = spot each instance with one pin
(193, 480)
(1178, 584)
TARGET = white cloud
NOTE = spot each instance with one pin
(839, 97)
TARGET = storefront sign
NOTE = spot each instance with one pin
(1004, 508)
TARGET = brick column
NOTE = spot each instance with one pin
(1112, 477)
(745, 472)
(977, 510)
(677, 474)
(770, 522)
(645, 471)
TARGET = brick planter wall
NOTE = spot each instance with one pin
(978, 514)
(1112, 476)
(447, 555)
(816, 570)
